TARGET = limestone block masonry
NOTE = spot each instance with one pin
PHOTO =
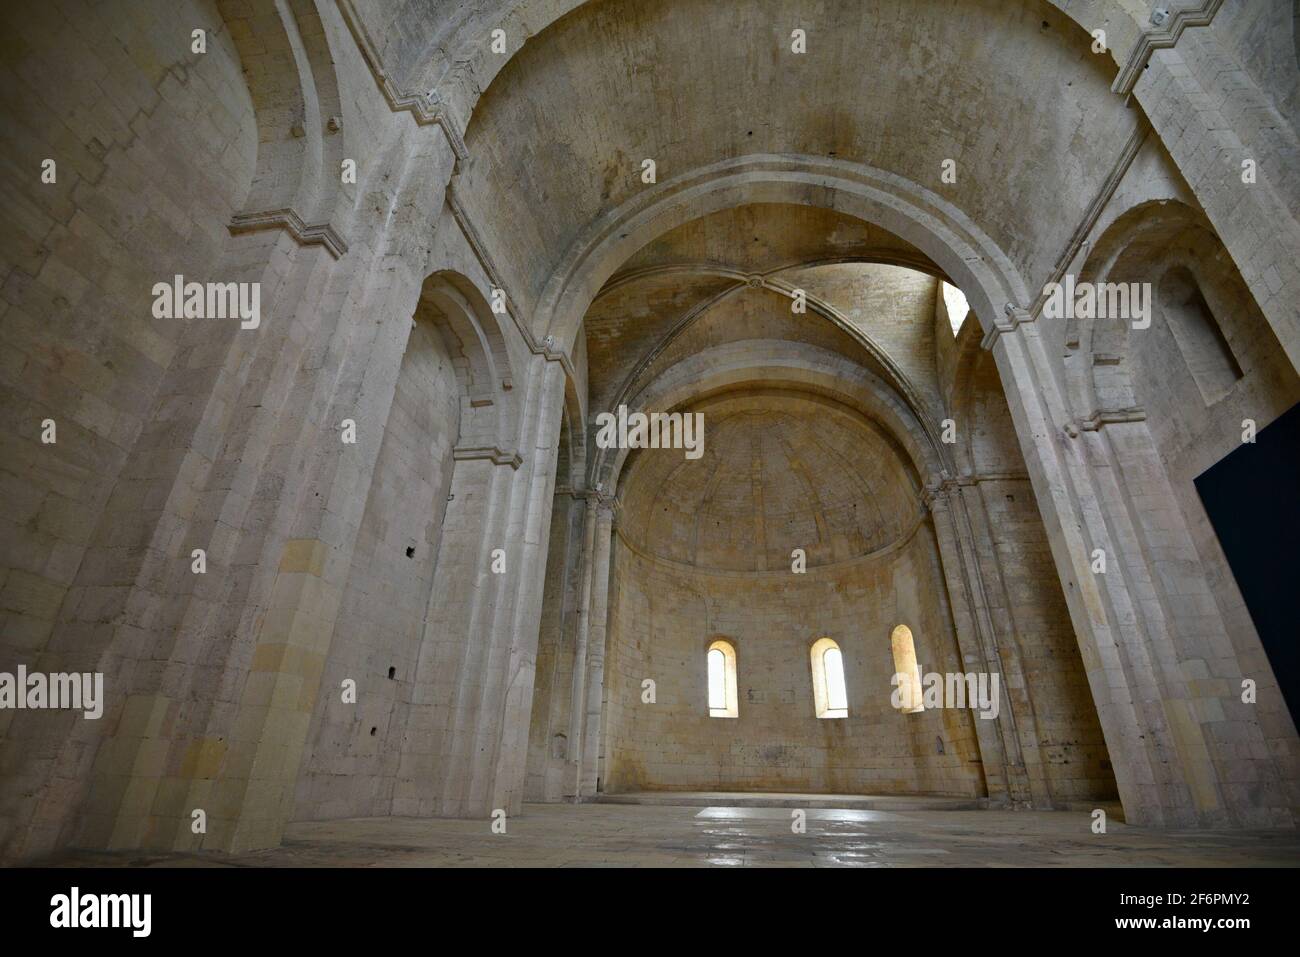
(366, 553)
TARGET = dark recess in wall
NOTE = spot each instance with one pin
(1252, 497)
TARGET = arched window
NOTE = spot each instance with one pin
(1196, 331)
(954, 301)
(829, 694)
(907, 673)
(722, 680)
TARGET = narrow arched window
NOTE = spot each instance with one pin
(829, 693)
(1197, 333)
(907, 673)
(722, 680)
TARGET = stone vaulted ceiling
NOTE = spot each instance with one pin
(779, 471)
(896, 85)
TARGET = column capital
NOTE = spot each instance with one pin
(936, 492)
(1103, 417)
(598, 502)
(1013, 317)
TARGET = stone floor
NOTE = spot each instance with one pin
(860, 802)
(617, 835)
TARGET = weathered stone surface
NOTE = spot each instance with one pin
(394, 477)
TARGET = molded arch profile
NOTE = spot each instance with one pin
(466, 323)
(473, 67)
(894, 376)
(782, 364)
(910, 211)
(289, 67)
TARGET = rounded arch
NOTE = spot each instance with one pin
(830, 687)
(289, 67)
(460, 80)
(574, 417)
(967, 256)
(723, 677)
(986, 439)
(895, 376)
(1171, 251)
(784, 364)
(470, 331)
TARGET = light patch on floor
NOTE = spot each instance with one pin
(783, 814)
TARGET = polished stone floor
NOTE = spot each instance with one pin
(620, 835)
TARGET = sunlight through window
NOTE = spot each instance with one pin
(722, 680)
(836, 700)
(830, 695)
(907, 673)
(954, 301)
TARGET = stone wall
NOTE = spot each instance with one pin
(663, 618)
(351, 767)
(154, 149)
(520, 172)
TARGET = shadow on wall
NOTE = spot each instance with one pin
(1252, 497)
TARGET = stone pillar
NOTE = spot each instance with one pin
(1002, 777)
(267, 487)
(211, 678)
(514, 685)
(323, 512)
(1176, 762)
(1063, 486)
(1195, 669)
(1000, 640)
(578, 693)
(596, 648)
(442, 742)
(548, 771)
(466, 745)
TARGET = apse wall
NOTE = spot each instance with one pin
(665, 614)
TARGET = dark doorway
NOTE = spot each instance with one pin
(1252, 497)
